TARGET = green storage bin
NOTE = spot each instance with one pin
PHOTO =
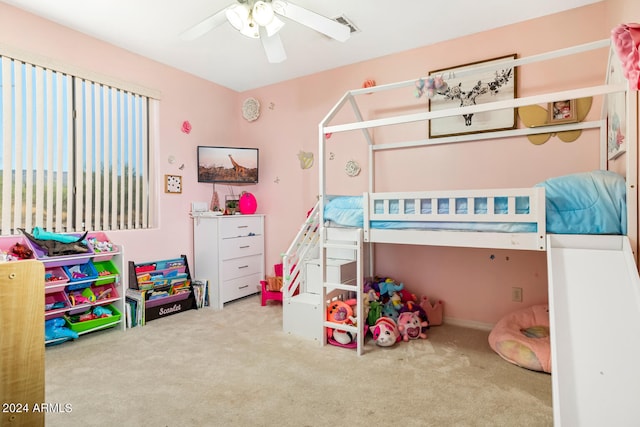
(95, 323)
(104, 267)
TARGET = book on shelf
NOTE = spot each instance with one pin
(200, 292)
(135, 298)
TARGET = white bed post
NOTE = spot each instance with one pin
(632, 170)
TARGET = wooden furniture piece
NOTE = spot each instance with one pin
(162, 288)
(21, 342)
(229, 254)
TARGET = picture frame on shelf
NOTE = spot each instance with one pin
(472, 84)
(563, 111)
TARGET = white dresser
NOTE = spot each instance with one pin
(229, 254)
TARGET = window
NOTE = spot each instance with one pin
(74, 153)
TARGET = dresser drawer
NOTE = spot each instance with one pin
(239, 267)
(241, 246)
(240, 226)
(241, 287)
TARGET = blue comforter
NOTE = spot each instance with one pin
(583, 203)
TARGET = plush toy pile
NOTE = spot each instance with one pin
(394, 314)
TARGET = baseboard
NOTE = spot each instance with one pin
(468, 323)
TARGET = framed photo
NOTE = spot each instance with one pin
(562, 112)
(173, 184)
(468, 85)
(615, 110)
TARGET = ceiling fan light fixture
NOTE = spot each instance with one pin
(262, 13)
(238, 16)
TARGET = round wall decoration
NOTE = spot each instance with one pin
(352, 168)
(251, 109)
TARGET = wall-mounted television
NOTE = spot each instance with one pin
(229, 165)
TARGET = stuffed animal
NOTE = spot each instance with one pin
(385, 332)
(390, 310)
(343, 337)
(410, 326)
(388, 286)
(375, 312)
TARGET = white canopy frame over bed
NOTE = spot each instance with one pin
(536, 214)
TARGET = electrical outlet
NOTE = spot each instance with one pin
(516, 294)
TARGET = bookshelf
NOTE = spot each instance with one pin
(159, 289)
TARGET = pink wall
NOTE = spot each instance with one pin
(474, 283)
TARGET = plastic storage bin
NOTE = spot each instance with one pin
(55, 279)
(63, 260)
(84, 274)
(103, 322)
(105, 268)
(104, 292)
(101, 245)
(54, 304)
(8, 243)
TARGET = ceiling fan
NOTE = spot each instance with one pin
(260, 19)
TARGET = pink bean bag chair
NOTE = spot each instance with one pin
(522, 338)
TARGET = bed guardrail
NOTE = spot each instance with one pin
(511, 206)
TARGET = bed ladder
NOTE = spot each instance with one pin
(339, 239)
(301, 309)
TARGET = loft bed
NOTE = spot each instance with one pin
(504, 218)
(580, 261)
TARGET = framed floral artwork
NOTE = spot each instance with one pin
(473, 84)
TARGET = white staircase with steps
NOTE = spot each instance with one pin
(304, 304)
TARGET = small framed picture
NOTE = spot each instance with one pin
(562, 112)
(173, 184)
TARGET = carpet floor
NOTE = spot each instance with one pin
(236, 367)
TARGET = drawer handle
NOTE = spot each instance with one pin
(243, 226)
(245, 246)
(243, 266)
(242, 287)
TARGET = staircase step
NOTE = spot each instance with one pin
(306, 298)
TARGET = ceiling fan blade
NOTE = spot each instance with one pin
(313, 20)
(205, 26)
(272, 46)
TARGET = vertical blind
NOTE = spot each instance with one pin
(75, 153)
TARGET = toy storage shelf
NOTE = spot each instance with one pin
(159, 289)
(74, 285)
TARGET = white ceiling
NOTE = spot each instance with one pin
(152, 28)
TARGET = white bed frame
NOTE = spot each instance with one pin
(523, 241)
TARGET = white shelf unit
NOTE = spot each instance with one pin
(229, 254)
(60, 290)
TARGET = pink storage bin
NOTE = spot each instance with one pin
(102, 246)
(7, 244)
(55, 279)
(105, 293)
(55, 305)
